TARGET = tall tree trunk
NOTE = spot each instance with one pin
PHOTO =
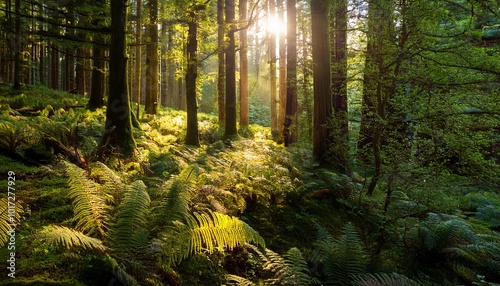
(151, 106)
(321, 71)
(118, 128)
(171, 69)
(243, 67)
(282, 72)
(164, 65)
(306, 74)
(340, 130)
(291, 123)
(272, 71)
(70, 52)
(54, 67)
(191, 75)
(221, 63)
(17, 46)
(138, 58)
(98, 86)
(230, 126)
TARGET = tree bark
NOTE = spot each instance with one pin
(151, 105)
(221, 63)
(118, 120)
(272, 72)
(191, 75)
(244, 121)
(291, 124)
(340, 144)
(17, 46)
(138, 58)
(282, 73)
(230, 125)
(321, 73)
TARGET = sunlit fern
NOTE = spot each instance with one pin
(235, 280)
(14, 136)
(206, 232)
(342, 257)
(290, 270)
(383, 279)
(69, 238)
(129, 233)
(111, 183)
(90, 208)
(5, 222)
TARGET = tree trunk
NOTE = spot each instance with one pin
(272, 72)
(321, 72)
(191, 75)
(138, 58)
(230, 126)
(151, 106)
(54, 71)
(282, 73)
(118, 126)
(291, 123)
(98, 86)
(221, 63)
(17, 46)
(164, 65)
(243, 67)
(340, 130)
(171, 70)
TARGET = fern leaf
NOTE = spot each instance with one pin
(129, 233)
(5, 223)
(119, 272)
(207, 231)
(90, 209)
(383, 279)
(180, 190)
(112, 183)
(70, 238)
(235, 280)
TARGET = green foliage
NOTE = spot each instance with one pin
(290, 270)
(91, 210)
(16, 135)
(129, 233)
(206, 231)
(383, 279)
(70, 238)
(5, 222)
(236, 280)
(341, 258)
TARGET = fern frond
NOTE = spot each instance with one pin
(342, 257)
(383, 279)
(90, 209)
(112, 183)
(119, 272)
(235, 280)
(70, 238)
(180, 191)
(5, 222)
(207, 231)
(129, 233)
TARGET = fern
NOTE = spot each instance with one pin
(342, 257)
(291, 270)
(119, 272)
(13, 136)
(180, 189)
(235, 280)
(5, 223)
(90, 209)
(383, 279)
(111, 182)
(206, 231)
(129, 233)
(70, 238)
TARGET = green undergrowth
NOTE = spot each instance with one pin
(185, 215)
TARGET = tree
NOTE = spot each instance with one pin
(282, 62)
(340, 144)
(138, 56)
(230, 122)
(221, 62)
(272, 71)
(17, 46)
(118, 127)
(321, 73)
(243, 66)
(98, 87)
(290, 125)
(151, 106)
(191, 75)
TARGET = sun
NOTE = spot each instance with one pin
(275, 25)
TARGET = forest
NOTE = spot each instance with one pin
(250, 142)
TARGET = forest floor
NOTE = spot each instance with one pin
(280, 192)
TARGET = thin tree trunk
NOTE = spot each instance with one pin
(291, 123)
(171, 70)
(243, 67)
(272, 73)
(138, 58)
(282, 73)
(221, 63)
(17, 46)
(230, 126)
(191, 75)
(151, 106)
